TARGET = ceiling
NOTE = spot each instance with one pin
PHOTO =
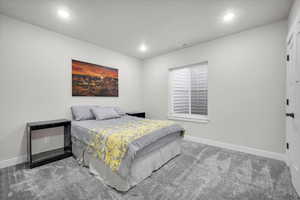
(163, 25)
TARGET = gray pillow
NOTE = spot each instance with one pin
(102, 113)
(83, 112)
(119, 111)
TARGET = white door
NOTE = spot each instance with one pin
(293, 108)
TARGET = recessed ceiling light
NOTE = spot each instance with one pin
(228, 17)
(63, 13)
(143, 48)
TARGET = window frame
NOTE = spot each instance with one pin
(185, 117)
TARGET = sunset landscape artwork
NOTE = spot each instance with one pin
(94, 80)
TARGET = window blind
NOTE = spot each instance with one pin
(189, 89)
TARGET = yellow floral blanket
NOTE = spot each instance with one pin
(111, 144)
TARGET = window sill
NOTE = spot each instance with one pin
(197, 120)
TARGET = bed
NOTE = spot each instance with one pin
(123, 165)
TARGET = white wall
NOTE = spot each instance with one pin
(246, 87)
(246, 83)
(35, 79)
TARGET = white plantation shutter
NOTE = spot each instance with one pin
(180, 92)
(189, 91)
(199, 90)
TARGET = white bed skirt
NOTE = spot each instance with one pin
(141, 168)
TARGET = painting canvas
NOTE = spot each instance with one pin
(94, 80)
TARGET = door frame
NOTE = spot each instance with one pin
(292, 34)
(292, 39)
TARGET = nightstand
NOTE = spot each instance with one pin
(137, 114)
(38, 159)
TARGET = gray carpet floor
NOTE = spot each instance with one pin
(200, 172)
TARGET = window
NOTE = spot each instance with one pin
(188, 92)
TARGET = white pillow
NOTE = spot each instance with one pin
(102, 113)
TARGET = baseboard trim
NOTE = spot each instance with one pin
(258, 152)
(13, 161)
